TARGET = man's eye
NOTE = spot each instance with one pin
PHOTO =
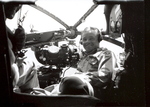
(84, 39)
(90, 39)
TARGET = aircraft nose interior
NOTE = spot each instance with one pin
(113, 73)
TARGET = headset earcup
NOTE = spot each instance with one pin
(81, 42)
(99, 38)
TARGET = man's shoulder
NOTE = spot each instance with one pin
(104, 51)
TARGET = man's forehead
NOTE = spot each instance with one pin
(88, 34)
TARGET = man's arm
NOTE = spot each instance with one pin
(105, 69)
(14, 67)
(17, 39)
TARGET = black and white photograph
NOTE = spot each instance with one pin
(72, 53)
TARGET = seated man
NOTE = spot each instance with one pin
(24, 77)
(96, 67)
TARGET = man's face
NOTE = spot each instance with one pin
(10, 10)
(90, 41)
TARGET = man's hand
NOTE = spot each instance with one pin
(20, 60)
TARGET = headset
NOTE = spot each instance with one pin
(94, 30)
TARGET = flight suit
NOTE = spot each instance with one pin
(100, 68)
